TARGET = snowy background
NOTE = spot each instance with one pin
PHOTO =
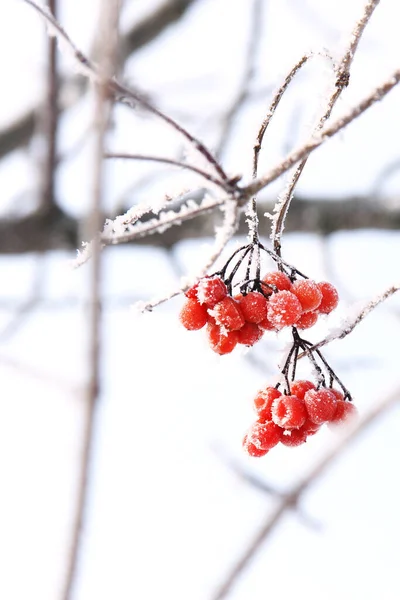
(170, 512)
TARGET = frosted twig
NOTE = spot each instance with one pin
(222, 236)
(315, 141)
(109, 22)
(341, 333)
(348, 435)
(125, 95)
(342, 79)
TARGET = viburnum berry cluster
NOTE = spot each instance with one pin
(237, 306)
(298, 411)
(240, 312)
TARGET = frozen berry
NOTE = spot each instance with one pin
(253, 307)
(228, 314)
(211, 290)
(345, 411)
(221, 342)
(320, 404)
(264, 435)
(307, 320)
(289, 412)
(300, 387)
(284, 309)
(308, 293)
(279, 279)
(267, 325)
(263, 402)
(252, 449)
(330, 297)
(294, 437)
(193, 315)
(192, 292)
(249, 334)
(310, 428)
(338, 394)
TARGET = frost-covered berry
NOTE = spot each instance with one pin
(300, 387)
(253, 306)
(228, 314)
(307, 320)
(338, 394)
(289, 412)
(263, 402)
(211, 290)
(252, 449)
(264, 435)
(345, 411)
(249, 334)
(308, 293)
(294, 437)
(278, 279)
(330, 297)
(192, 292)
(193, 315)
(320, 405)
(267, 325)
(284, 309)
(221, 342)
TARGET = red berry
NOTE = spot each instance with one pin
(307, 320)
(249, 334)
(263, 402)
(300, 387)
(289, 412)
(267, 325)
(221, 342)
(292, 438)
(309, 427)
(193, 315)
(308, 293)
(320, 405)
(345, 411)
(330, 297)
(211, 290)
(279, 279)
(264, 435)
(228, 314)
(338, 395)
(252, 449)
(192, 292)
(253, 307)
(284, 309)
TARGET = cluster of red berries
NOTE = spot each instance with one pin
(242, 319)
(291, 419)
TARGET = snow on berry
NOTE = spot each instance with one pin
(193, 315)
(267, 325)
(192, 292)
(253, 306)
(308, 293)
(211, 290)
(263, 402)
(293, 438)
(264, 435)
(307, 320)
(279, 279)
(289, 412)
(284, 309)
(345, 412)
(320, 405)
(249, 334)
(228, 314)
(252, 449)
(221, 342)
(330, 297)
(300, 387)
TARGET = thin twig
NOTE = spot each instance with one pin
(342, 80)
(349, 435)
(109, 31)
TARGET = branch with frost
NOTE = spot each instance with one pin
(223, 234)
(342, 79)
(352, 321)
